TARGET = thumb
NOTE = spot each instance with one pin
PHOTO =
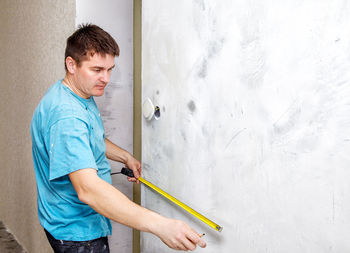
(202, 243)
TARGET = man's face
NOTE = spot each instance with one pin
(92, 76)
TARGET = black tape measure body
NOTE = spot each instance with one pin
(127, 172)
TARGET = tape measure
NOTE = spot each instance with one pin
(128, 172)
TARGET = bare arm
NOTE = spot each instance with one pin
(115, 152)
(111, 203)
(118, 154)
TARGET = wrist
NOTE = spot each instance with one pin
(156, 224)
(127, 157)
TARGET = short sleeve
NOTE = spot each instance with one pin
(69, 147)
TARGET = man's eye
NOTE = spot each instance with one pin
(97, 70)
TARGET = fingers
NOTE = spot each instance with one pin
(191, 239)
(202, 243)
(137, 171)
(191, 242)
(178, 235)
(188, 245)
(196, 239)
(135, 166)
(132, 179)
(181, 243)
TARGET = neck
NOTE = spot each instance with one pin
(69, 82)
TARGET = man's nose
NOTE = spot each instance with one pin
(105, 76)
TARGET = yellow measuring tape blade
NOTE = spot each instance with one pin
(184, 206)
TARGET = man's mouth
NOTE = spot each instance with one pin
(100, 87)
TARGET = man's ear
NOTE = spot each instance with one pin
(71, 65)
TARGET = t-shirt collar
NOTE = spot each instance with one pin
(86, 101)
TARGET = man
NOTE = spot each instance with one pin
(75, 197)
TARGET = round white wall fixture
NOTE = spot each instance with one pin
(148, 109)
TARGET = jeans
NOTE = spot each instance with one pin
(99, 245)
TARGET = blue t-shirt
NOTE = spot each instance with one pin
(68, 135)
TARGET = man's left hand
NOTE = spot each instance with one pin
(133, 164)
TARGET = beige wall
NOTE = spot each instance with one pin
(32, 43)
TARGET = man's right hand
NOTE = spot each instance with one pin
(178, 235)
(111, 203)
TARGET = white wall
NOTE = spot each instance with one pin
(116, 105)
(255, 123)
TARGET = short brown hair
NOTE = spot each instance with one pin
(89, 38)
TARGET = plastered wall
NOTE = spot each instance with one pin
(32, 40)
(255, 121)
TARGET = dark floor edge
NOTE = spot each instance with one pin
(8, 242)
